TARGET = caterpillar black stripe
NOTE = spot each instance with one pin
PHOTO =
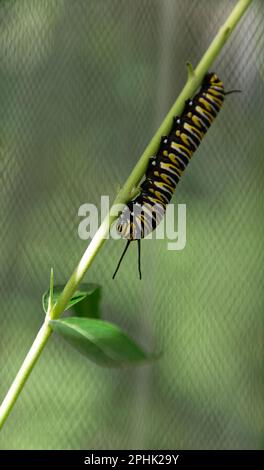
(164, 170)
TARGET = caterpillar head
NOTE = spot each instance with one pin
(125, 224)
(131, 224)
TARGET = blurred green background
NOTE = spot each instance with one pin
(83, 87)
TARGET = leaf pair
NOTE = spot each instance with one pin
(102, 342)
(85, 302)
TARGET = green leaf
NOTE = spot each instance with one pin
(100, 341)
(50, 299)
(82, 294)
(89, 306)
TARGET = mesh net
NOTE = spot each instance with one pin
(83, 87)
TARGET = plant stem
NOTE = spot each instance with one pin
(24, 371)
(194, 79)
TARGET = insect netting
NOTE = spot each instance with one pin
(83, 87)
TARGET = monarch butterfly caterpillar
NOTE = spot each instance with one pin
(142, 215)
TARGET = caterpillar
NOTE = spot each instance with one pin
(142, 215)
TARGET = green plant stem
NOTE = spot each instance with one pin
(24, 371)
(194, 79)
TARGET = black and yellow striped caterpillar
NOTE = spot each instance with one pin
(142, 214)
